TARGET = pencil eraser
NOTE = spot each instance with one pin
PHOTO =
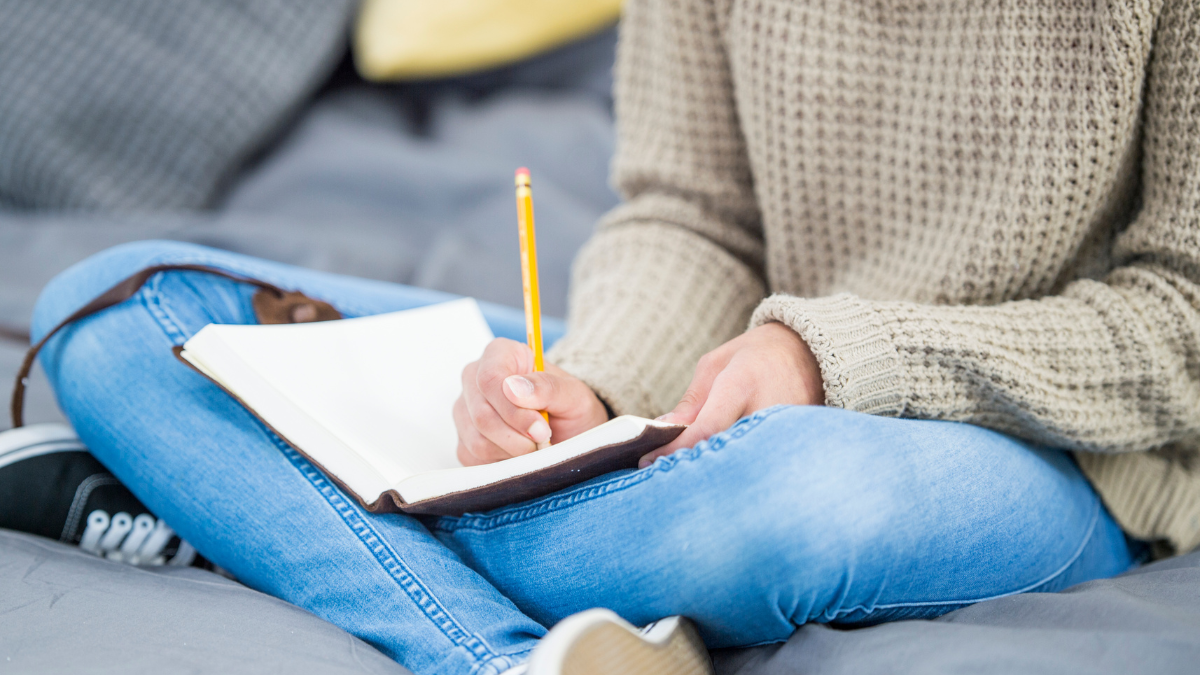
(523, 172)
(522, 178)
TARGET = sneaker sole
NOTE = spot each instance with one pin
(598, 642)
(36, 440)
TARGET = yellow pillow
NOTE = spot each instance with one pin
(412, 39)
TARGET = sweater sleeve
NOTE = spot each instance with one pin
(676, 270)
(1107, 365)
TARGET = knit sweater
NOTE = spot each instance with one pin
(986, 212)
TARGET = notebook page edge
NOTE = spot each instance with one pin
(432, 484)
(211, 354)
(476, 317)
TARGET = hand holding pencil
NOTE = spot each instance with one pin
(512, 400)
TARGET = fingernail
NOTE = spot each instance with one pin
(669, 417)
(519, 386)
(644, 462)
(539, 431)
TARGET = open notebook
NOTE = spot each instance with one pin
(368, 400)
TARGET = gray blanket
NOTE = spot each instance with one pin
(1145, 621)
(413, 184)
(62, 610)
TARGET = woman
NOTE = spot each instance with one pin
(987, 215)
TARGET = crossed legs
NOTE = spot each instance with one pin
(793, 515)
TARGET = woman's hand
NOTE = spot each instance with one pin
(497, 414)
(769, 365)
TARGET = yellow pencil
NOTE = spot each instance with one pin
(529, 275)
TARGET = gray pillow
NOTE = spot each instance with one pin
(143, 104)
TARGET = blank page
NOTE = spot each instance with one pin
(383, 385)
(281, 414)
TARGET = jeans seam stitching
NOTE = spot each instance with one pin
(156, 304)
(484, 523)
(404, 577)
(1095, 519)
(566, 501)
(418, 593)
(345, 308)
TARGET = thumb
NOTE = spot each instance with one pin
(696, 396)
(718, 414)
(541, 391)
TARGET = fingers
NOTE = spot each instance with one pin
(498, 413)
(554, 391)
(572, 406)
(511, 435)
(727, 401)
(484, 434)
(499, 419)
(692, 407)
(707, 369)
(768, 365)
(473, 448)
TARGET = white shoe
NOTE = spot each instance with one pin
(598, 642)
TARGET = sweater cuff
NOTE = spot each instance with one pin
(853, 345)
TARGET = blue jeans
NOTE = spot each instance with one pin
(794, 514)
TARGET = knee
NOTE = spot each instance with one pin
(793, 539)
(755, 579)
(806, 511)
(83, 281)
(827, 476)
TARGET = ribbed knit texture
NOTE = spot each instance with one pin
(141, 104)
(984, 212)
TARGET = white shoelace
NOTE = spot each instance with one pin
(137, 541)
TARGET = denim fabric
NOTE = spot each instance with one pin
(794, 514)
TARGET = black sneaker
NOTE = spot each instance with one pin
(52, 486)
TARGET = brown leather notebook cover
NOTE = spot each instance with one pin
(578, 469)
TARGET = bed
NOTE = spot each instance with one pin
(410, 184)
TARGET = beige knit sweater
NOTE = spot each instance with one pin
(976, 211)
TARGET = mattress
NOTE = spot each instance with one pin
(412, 184)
